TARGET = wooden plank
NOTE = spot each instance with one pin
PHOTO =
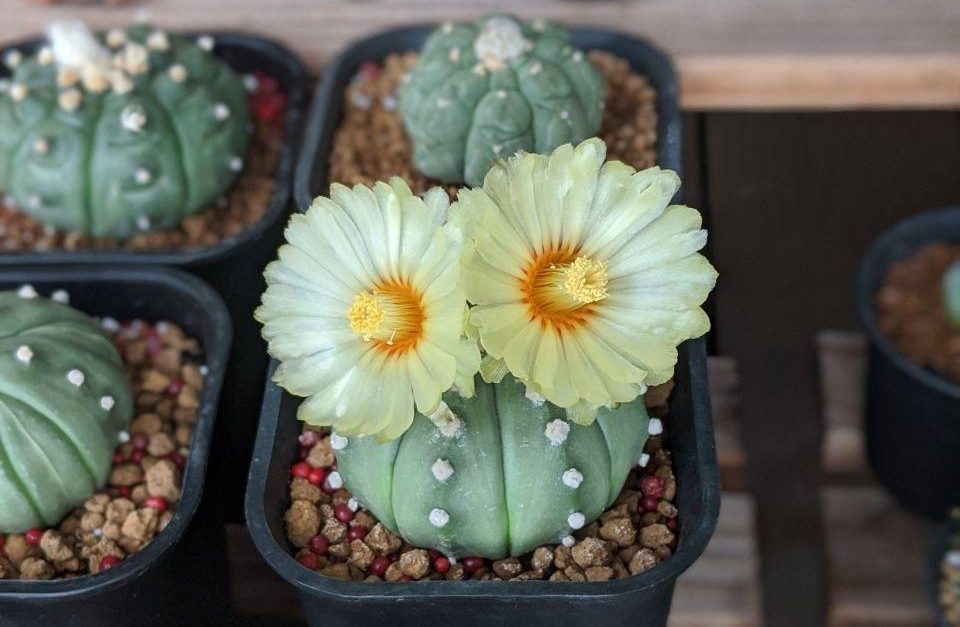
(731, 54)
(794, 201)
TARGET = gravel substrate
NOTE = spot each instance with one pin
(244, 204)
(910, 310)
(165, 370)
(331, 534)
(371, 145)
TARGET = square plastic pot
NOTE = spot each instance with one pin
(147, 588)
(642, 600)
(912, 414)
(233, 267)
(326, 111)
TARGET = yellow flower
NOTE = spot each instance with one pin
(364, 309)
(584, 278)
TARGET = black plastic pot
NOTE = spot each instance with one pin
(938, 549)
(643, 600)
(326, 111)
(233, 267)
(148, 588)
(912, 414)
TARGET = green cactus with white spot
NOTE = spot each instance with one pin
(485, 90)
(127, 132)
(951, 294)
(63, 402)
(497, 474)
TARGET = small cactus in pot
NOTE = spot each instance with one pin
(483, 365)
(63, 401)
(484, 90)
(127, 132)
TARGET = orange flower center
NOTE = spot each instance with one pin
(561, 287)
(391, 316)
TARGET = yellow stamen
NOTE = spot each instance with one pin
(365, 315)
(586, 280)
(391, 316)
(561, 288)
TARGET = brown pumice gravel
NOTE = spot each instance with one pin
(910, 310)
(371, 145)
(243, 205)
(165, 372)
(639, 531)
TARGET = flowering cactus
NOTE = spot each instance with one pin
(494, 475)
(951, 294)
(63, 401)
(129, 132)
(485, 90)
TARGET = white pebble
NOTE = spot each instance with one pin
(532, 396)
(568, 541)
(338, 442)
(953, 558)
(572, 478)
(576, 520)
(98, 532)
(204, 370)
(24, 354)
(61, 296)
(334, 480)
(75, 377)
(644, 460)
(390, 103)
(361, 101)
(27, 291)
(353, 504)
(250, 82)
(557, 431)
(442, 470)
(439, 517)
(110, 325)
(107, 403)
(655, 426)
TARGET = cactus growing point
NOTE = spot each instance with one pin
(483, 91)
(119, 134)
(63, 402)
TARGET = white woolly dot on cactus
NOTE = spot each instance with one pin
(455, 55)
(41, 146)
(568, 541)
(534, 397)
(442, 103)
(501, 94)
(250, 82)
(236, 164)
(75, 377)
(439, 517)
(116, 37)
(123, 437)
(497, 148)
(576, 520)
(442, 470)
(24, 354)
(205, 43)
(13, 58)
(142, 176)
(45, 55)
(70, 99)
(143, 223)
(447, 27)
(446, 421)
(564, 114)
(644, 460)
(478, 69)
(353, 504)
(334, 481)
(572, 478)
(157, 40)
(338, 442)
(557, 431)
(60, 296)
(27, 291)
(34, 201)
(177, 73)
(536, 68)
(107, 402)
(18, 91)
(133, 118)
(577, 56)
(221, 111)
(655, 426)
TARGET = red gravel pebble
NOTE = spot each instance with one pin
(154, 346)
(117, 458)
(174, 387)
(405, 578)
(369, 70)
(137, 455)
(309, 438)
(356, 533)
(139, 441)
(343, 513)
(319, 544)
(122, 491)
(3, 542)
(158, 503)
(300, 469)
(472, 564)
(380, 565)
(308, 560)
(441, 564)
(652, 486)
(316, 476)
(178, 459)
(649, 504)
(673, 524)
(108, 562)
(33, 536)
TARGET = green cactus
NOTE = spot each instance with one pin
(130, 132)
(494, 475)
(63, 401)
(486, 90)
(951, 294)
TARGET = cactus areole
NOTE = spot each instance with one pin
(497, 474)
(122, 133)
(63, 402)
(483, 91)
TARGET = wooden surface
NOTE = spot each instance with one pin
(731, 54)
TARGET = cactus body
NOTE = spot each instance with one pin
(499, 474)
(951, 294)
(127, 135)
(63, 400)
(485, 90)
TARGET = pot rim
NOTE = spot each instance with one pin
(277, 206)
(924, 228)
(216, 347)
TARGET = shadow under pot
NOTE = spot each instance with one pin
(227, 244)
(108, 561)
(642, 599)
(912, 405)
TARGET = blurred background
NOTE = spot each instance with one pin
(810, 127)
